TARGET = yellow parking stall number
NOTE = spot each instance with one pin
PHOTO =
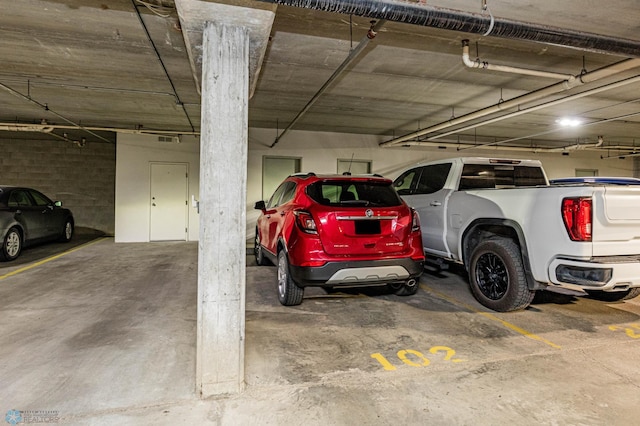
(628, 330)
(403, 357)
(415, 358)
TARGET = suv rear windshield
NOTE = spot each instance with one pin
(350, 193)
(480, 176)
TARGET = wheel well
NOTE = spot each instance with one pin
(482, 230)
(478, 233)
(20, 231)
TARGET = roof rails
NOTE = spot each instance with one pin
(303, 175)
(312, 174)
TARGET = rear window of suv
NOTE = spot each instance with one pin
(350, 193)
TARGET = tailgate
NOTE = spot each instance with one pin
(365, 231)
(616, 221)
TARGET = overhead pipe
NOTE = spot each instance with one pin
(562, 86)
(164, 68)
(375, 27)
(47, 128)
(460, 146)
(503, 68)
(474, 23)
(522, 111)
(17, 127)
(579, 146)
(46, 108)
(592, 123)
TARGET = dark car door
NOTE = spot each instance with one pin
(52, 217)
(26, 213)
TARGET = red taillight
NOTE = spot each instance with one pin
(415, 222)
(306, 222)
(576, 213)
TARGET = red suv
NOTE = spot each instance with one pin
(339, 231)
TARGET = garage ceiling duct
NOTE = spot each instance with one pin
(474, 23)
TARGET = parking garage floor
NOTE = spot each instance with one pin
(104, 334)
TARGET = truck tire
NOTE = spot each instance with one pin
(289, 294)
(614, 296)
(496, 276)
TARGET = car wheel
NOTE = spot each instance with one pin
(257, 251)
(496, 276)
(614, 296)
(11, 245)
(67, 231)
(289, 294)
(408, 288)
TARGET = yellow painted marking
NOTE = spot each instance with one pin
(628, 331)
(492, 317)
(403, 357)
(49, 259)
(450, 353)
(382, 360)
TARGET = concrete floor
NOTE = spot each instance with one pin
(105, 335)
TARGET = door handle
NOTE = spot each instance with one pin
(282, 213)
(435, 203)
(153, 204)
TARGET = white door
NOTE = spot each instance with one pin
(168, 202)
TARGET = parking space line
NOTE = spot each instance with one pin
(491, 317)
(49, 259)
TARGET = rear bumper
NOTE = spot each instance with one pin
(606, 274)
(357, 273)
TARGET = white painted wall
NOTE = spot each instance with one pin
(319, 152)
(134, 153)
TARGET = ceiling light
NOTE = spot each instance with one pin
(569, 122)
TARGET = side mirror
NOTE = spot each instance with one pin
(260, 205)
(57, 203)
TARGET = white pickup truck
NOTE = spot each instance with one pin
(515, 234)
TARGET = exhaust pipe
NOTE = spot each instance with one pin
(411, 283)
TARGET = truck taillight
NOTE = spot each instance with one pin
(415, 222)
(305, 222)
(577, 216)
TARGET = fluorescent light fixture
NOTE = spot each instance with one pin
(569, 122)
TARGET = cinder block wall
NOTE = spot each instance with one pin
(82, 178)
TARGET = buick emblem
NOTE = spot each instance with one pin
(369, 213)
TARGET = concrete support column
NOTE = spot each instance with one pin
(223, 183)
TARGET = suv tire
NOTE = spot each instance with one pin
(257, 251)
(289, 294)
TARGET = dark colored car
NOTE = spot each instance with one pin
(339, 231)
(28, 217)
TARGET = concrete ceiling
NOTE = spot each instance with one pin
(91, 64)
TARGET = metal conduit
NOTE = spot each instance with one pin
(164, 68)
(49, 110)
(610, 86)
(355, 52)
(474, 23)
(520, 100)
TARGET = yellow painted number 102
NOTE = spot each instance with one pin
(415, 358)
